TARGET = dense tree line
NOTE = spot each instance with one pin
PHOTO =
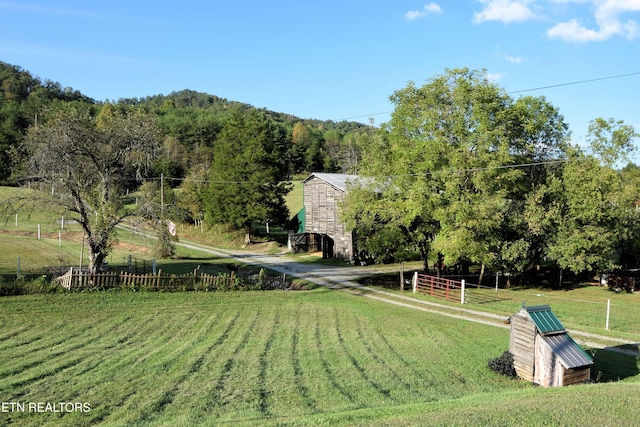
(464, 171)
(22, 96)
(195, 119)
(192, 119)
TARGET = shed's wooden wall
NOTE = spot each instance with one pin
(522, 345)
(322, 207)
(574, 376)
(546, 365)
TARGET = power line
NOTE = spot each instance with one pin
(521, 91)
(516, 166)
(445, 171)
(575, 83)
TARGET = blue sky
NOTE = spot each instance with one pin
(333, 60)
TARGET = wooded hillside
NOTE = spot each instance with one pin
(190, 120)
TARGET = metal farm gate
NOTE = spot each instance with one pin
(447, 289)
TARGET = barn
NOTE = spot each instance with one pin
(321, 228)
(543, 352)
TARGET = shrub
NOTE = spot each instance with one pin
(503, 365)
(21, 285)
(9, 287)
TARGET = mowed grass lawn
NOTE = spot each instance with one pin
(316, 357)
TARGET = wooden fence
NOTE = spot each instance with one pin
(194, 281)
(450, 290)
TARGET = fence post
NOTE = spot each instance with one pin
(462, 291)
(608, 311)
(415, 282)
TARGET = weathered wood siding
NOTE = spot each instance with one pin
(550, 372)
(546, 365)
(575, 376)
(522, 346)
(322, 210)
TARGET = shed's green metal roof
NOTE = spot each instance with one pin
(545, 320)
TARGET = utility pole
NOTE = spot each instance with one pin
(162, 195)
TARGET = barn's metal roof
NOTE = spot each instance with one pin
(337, 180)
(571, 355)
(545, 320)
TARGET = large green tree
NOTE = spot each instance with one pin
(449, 172)
(89, 163)
(584, 236)
(597, 220)
(627, 219)
(249, 175)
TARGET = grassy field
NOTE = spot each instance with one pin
(583, 308)
(295, 199)
(59, 247)
(51, 256)
(317, 357)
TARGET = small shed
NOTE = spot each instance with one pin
(543, 352)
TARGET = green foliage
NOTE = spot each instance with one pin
(190, 193)
(91, 162)
(196, 119)
(611, 141)
(164, 246)
(22, 96)
(444, 173)
(192, 119)
(23, 285)
(597, 219)
(9, 287)
(249, 174)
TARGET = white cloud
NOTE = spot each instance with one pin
(505, 11)
(573, 31)
(609, 20)
(428, 9)
(494, 77)
(513, 59)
